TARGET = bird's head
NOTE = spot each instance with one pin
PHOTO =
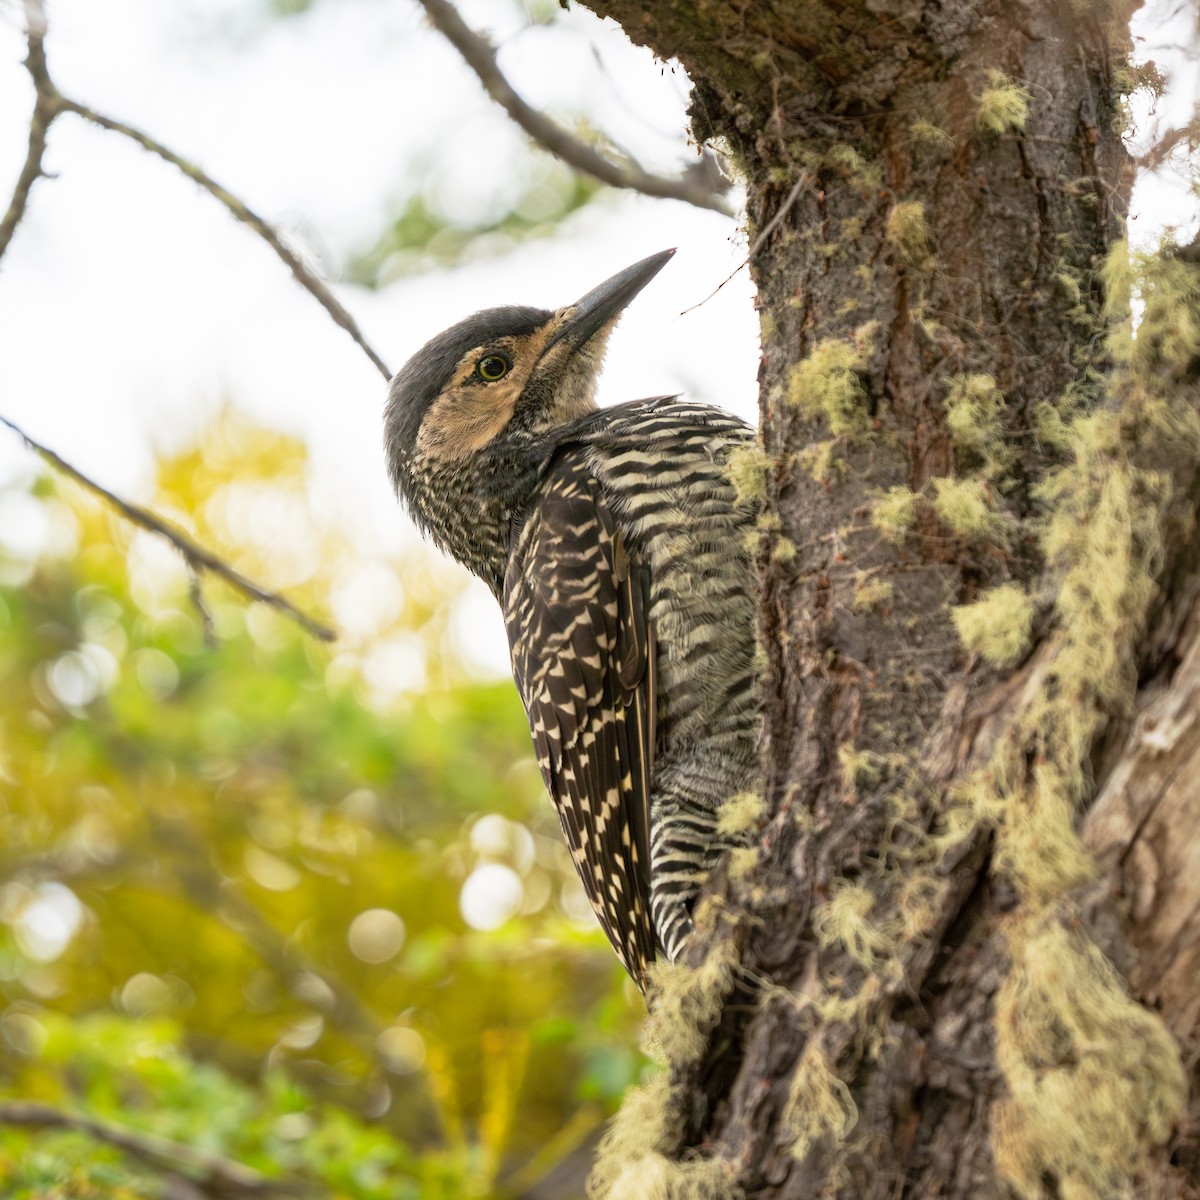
(490, 388)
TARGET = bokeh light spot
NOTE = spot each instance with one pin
(495, 836)
(376, 935)
(24, 1033)
(490, 895)
(24, 525)
(303, 1033)
(268, 871)
(402, 1049)
(294, 1126)
(145, 994)
(73, 679)
(45, 926)
(156, 672)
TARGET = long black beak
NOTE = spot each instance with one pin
(603, 303)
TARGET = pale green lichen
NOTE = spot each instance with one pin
(1137, 77)
(783, 551)
(826, 384)
(1092, 1078)
(632, 1162)
(964, 505)
(686, 1002)
(656, 1177)
(1069, 282)
(742, 862)
(871, 592)
(1164, 286)
(931, 135)
(847, 157)
(1053, 433)
(845, 160)
(973, 410)
(747, 470)
(820, 459)
(895, 513)
(741, 814)
(819, 1106)
(637, 1131)
(842, 921)
(1082, 312)
(997, 625)
(1039, 846)
(1104, 531)
(908, 234)
(1003, 105)
(1082, 1063)
(860, 767)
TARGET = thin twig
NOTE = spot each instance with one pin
(46, 107)
(1168, 143)
(197, 557)
(210, 1172)
(759, 241)
(51, 101)
(241, 212)
(196, 596)
(479, 55)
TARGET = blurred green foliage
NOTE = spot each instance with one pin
(232, 876)
(421, 237)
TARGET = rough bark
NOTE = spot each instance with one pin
(972, 900)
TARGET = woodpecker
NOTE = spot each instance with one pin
(614, 542)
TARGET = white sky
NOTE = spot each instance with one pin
(140, 303)
(131, 305)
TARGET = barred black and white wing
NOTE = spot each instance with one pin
(576, 607)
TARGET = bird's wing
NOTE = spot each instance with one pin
(576, 606)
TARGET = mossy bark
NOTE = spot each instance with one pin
(933, 193)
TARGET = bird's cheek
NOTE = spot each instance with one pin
(460, 425)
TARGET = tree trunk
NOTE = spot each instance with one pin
(969, 941)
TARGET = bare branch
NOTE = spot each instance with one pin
(55, 102)
(241, 212)
(197, 557)
(46, 107)
(801, 183)
(1185, 135)
(196, 596)
(49, 103)
(212, 1173)
(481, 58)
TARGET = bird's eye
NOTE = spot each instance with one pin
(493, 366)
